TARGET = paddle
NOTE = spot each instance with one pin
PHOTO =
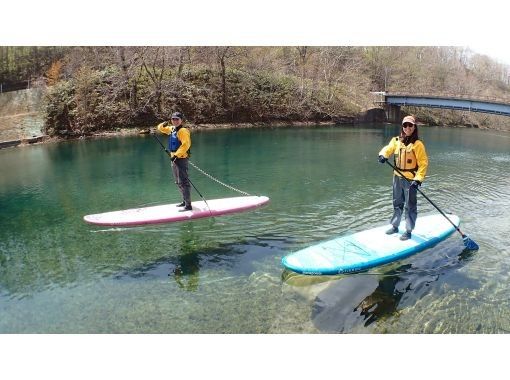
(169, 155)
(469, 243)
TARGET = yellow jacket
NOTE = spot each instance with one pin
(182, 134)
(416, 153)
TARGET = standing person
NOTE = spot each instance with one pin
(411, 159)
(179, 144)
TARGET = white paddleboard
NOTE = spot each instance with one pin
(171, 213)
(369, 248)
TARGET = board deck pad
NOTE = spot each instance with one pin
(169, 213)
(369, 248)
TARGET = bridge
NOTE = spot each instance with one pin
(392, 103)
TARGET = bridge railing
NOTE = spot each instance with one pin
(451, 96)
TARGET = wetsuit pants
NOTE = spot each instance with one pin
(404, 200)
(180, 172)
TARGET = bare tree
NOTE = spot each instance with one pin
(128, 60)
(154, 64)
(223, 55)
(335, 63)
(303, 53)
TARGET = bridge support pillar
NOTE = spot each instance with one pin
(393, 113)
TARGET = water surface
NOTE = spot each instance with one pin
(223, 275)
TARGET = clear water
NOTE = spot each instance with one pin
(61, 275)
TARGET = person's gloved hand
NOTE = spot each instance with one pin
(173, 158)
(382, 159)
(415, 184)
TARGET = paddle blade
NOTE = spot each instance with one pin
(470, 244)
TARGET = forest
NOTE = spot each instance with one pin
(91, 89)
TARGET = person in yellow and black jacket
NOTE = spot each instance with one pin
(179, 144)
(411, 159)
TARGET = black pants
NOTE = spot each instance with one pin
(404, 200)
(180, 172)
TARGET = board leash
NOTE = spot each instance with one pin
(204, 173)
(217, 180)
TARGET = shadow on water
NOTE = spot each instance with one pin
(362, 299)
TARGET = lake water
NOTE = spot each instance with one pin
(224, 275)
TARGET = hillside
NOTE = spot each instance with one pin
(94, 89)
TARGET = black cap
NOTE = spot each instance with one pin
(177, 115)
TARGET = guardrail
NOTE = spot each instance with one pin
(489, 105)
(449, 95)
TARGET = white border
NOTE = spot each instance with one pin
(262, 22)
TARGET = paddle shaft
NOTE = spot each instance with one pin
(427, 198)
(169, 155)
(160, 143)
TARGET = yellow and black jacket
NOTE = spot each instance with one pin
(412, 160)
(183, 135)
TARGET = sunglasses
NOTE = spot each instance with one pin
(408, 125)
(176, 118)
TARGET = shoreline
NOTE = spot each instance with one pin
(120, 132)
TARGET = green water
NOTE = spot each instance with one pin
(61, 275)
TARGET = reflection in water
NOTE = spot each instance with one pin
(185, 262)
(336, 308)
(182, 260)
(190, 271)
(186, 269)
(362, 299)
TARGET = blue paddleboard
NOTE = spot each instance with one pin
(370, 248)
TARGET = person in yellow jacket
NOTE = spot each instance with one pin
(179, 144)
(411, 159)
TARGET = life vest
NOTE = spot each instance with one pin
(173, 142)
(405, 159)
